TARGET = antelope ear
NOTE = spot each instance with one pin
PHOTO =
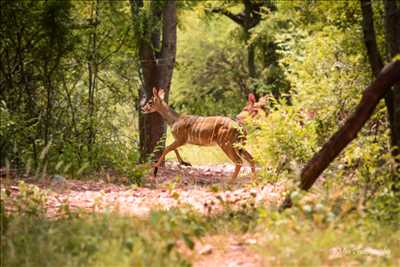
(155, 91)
(251, 98)
(161, 93)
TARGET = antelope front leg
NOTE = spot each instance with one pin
(168, 149)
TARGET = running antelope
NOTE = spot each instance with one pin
(202, 131)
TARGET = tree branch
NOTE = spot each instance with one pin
(237, 18)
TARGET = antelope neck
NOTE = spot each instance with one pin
(169, 115)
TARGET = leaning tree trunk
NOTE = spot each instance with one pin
(389, 76)
(157, 59)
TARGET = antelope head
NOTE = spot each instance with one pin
(156, 102)
(252, 108)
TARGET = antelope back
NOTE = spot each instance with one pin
(207, 131)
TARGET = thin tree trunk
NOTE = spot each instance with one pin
(251, 61)
(374, 56)
(372, 94)
(92, 82)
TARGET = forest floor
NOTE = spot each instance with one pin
(203, 188)
(194, 214)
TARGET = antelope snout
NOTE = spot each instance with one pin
(240, 118)
(145, 108)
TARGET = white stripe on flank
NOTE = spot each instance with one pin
(227, 131)
(189, 131)
(194, 129)
(203, 120)
(212, 135)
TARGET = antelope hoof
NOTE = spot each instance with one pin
(184, 163)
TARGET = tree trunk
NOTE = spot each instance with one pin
(157, 63)
(92, 82)
(251, 61)
(372, 94)
(392, 35)
(374, 56)
(392, 97)
(249, 18)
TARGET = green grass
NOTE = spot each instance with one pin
(114, 240)
(323, 232)
(97, 240)
(352, 242)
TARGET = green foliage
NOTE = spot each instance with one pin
(62, 94)
(97, 240)
(307, 236)
(286, 140)
(327, 73)
(209, 72)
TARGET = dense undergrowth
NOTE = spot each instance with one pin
(331, 231)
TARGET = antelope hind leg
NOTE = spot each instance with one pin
(249, 158)
(181, 161)
(232, 155)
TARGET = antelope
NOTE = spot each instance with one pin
(252, 109)
(255, 110)
(202, 131)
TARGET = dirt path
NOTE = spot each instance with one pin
(230, 251)
(202, 187)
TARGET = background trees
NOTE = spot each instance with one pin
(63, 65)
